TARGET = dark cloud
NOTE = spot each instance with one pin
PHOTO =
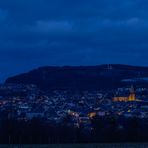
(62, 32)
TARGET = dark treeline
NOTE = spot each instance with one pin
(38, 132)
(104, 130)
(113, 129)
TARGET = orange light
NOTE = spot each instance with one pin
(91, 115)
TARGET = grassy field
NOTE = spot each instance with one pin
(79, 146)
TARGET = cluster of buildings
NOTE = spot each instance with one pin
(25, 102)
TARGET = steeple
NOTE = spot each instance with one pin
(132, 96)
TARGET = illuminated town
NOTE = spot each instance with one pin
(77, 109)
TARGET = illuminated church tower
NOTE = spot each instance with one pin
(132, 96)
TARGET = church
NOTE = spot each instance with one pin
(131, 97)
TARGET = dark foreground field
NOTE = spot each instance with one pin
(121, 145)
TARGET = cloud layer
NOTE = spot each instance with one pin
(62, 32)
